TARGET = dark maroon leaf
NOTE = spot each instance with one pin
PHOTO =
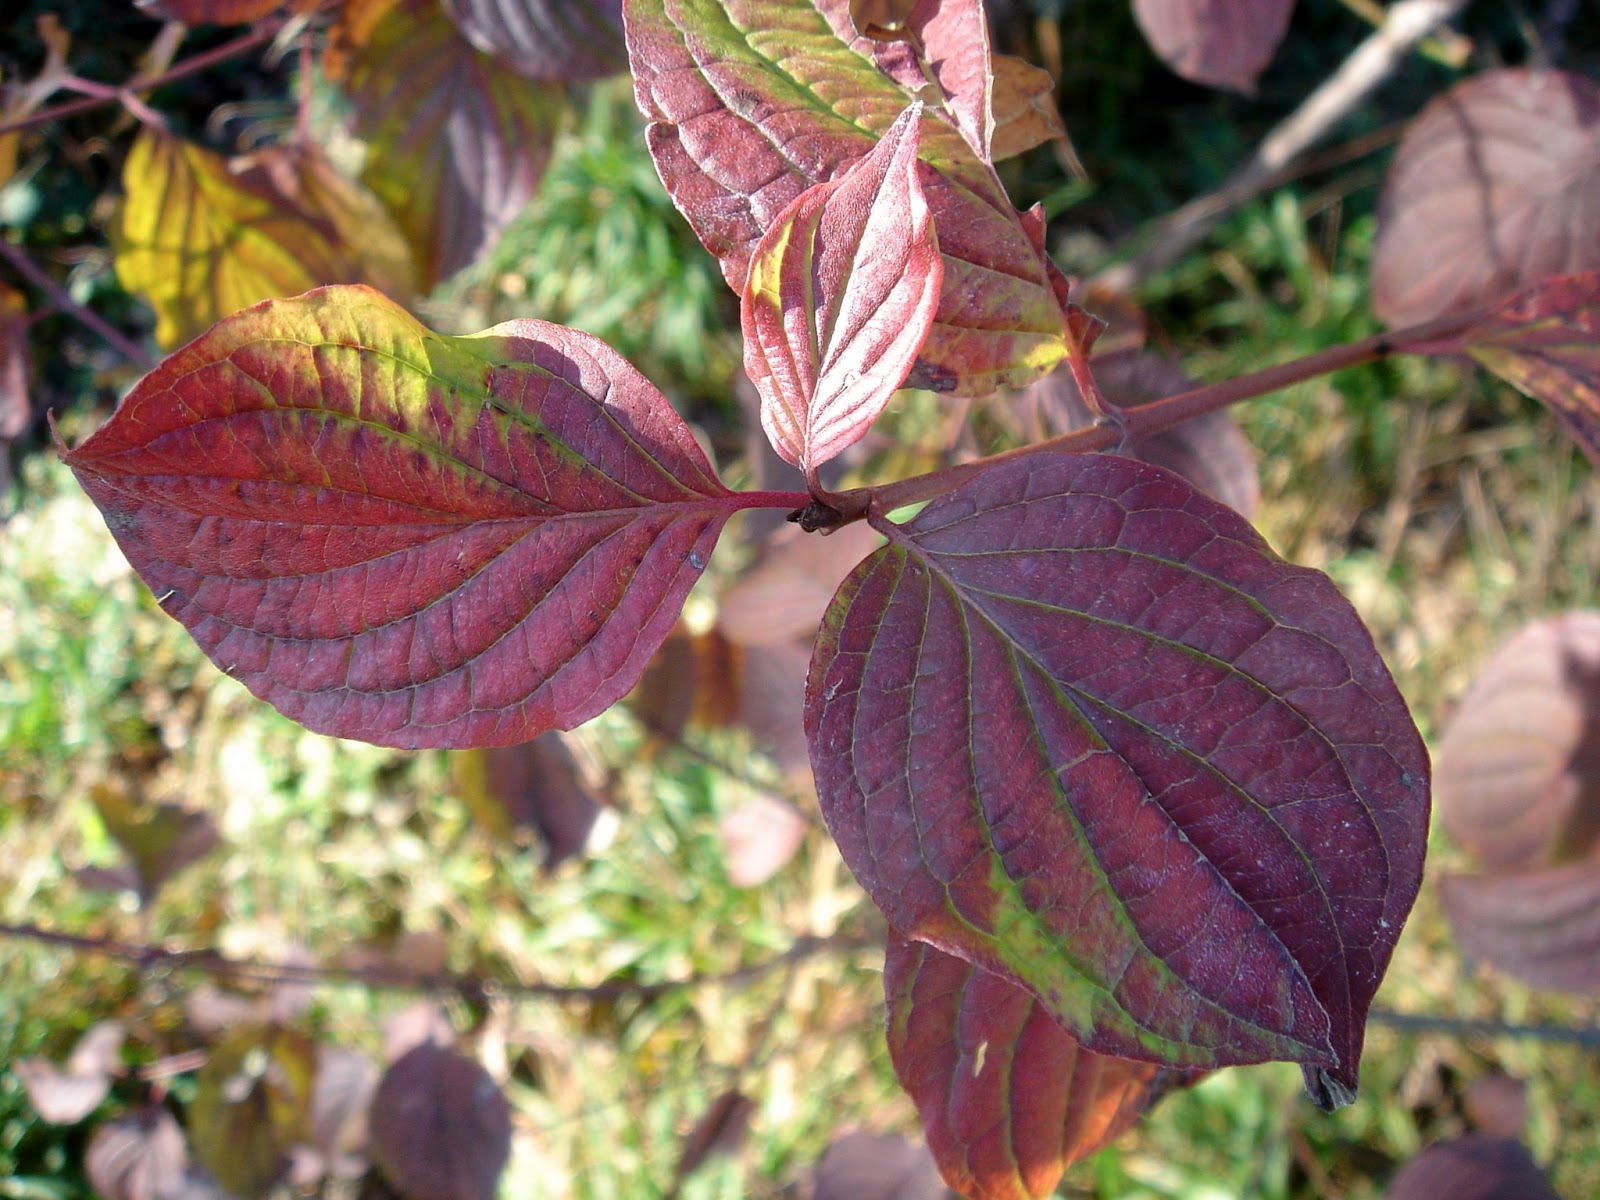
(1220, 43)
(457, 141)
(441, 1130)
(719, 1132)
(1495, 185)
(1540, 925)
(537, 785)
(553, 41)
(737, 134)
(1210, 451)
(1517, 773)
(840, 295)
(1546, 341)
(404, 537)
(1474, 1167)
(1078, 725)
(141, 1156)
(871, 1166)
(1008, 1098)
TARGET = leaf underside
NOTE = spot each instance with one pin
(1077, 725)
(1219, 43)
(1495, 186)
(1546, 342)
(412, 539)
(1008, 1099)
(751, 102)
(552, 41)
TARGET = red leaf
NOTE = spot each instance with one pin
(1474, 1167)
(441, 1129)
(738, 134)
(1517, 774)
(552, 41)
(1540, 925)
(841, 293)
(1219, 43)
(1078, 725)
(141, 1156)
(404, 537)
(1546, 341)
(1008, 1098)
(1495, 185)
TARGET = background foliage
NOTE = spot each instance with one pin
(1446, 506)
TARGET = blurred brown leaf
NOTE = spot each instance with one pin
(1494, 186)
(871, 1166)
(1497, 1104)
(539, 786)
(783, 597)
(1474, 1167)
(16, 365)
(1517, 773)
(440, 1127)
(719, 1132)
(210, 12)
(252, 1105)
(140, 1156)
(420, 1024)
(67, 1094)
(1541, 925)
(758, 838)
(160, 839)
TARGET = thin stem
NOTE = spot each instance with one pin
(1472, 1027)
(259, 36)
(64, 302)
(1442, 336)
(214, 963)
(1369, 65)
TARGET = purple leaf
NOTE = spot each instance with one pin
(1474, 1167)
(1219, 43)
(1008, 1098)
(1495, 186)
(740, 126)
(1078, 725)
(552, 41)
(1546, 341)
(441, 1129)
(404, 537)
(870, 1166)
(841, 293)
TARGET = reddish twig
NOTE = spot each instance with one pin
(64, 303)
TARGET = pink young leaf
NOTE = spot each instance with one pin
(1495, 186)
(552, 41)
(1541, 925)
(1517, 772)
(1078, 725)
(740, 125)
(1219, 43)
(1546, 342)
(841, 293)
(440, 1126)
(413, 539)
(1009, 1100)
